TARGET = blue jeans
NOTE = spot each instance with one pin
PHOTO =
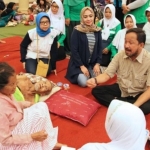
(31, 65)
(83, 78)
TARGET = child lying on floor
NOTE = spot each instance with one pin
(32, 87)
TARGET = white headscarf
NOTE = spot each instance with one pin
(57, 20)
(119, 39)
(126, 127)
(109, 23)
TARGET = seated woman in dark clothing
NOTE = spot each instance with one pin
(86, 50)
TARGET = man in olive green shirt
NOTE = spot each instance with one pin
(132, 67)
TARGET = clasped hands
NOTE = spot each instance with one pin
(96, 70)
(125, 9)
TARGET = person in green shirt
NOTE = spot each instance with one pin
(136, 8)
(56, 15)
(110, 26)
(72, 10)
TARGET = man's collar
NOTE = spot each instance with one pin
(139, 58)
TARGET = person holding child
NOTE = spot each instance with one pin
(86, 50)
(38, 44)
(110, 26)
(23, 125)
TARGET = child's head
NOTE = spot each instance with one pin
(30, 10)
(7, 79)
(147, 13)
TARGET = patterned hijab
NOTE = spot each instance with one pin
(83, 27)
(38, 29)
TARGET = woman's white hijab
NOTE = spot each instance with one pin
(57, 20)
(109, 23)
(119, 39)
(126, 127)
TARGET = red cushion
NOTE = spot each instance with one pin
(73, 106)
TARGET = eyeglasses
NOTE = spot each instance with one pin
(44, 22)
(56, 7)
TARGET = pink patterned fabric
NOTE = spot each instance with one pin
(17, 125)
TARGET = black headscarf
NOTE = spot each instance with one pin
(8, 9)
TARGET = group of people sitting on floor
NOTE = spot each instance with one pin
(122, 51)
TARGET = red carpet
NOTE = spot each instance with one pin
(71, 133)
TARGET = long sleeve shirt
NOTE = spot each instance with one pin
(11, 113)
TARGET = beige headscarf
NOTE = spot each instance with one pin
(84, 28)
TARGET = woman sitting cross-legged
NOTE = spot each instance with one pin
(23, 125)
(39, 43)
(86, 50)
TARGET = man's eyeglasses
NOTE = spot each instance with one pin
(44, 22)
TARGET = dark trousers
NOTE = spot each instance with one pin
(31, 65)
(61, 53)
(120, 16)
(105, 94)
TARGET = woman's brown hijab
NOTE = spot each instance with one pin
(83, 27)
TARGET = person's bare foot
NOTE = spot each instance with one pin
(2, 41)
(58, 146)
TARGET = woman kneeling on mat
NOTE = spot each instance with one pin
(40, 44)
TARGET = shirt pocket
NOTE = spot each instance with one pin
(140, 81)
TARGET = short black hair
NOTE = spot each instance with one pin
(141, 36)
(31, 9)
(5, 72)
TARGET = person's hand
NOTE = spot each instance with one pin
(91, 83)
(58, 44)
(105, 51)
(85, 71)
(55, 72)
(67, 22)
(23, 65)
(96, 69)
(125, 9)
(39, 136)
